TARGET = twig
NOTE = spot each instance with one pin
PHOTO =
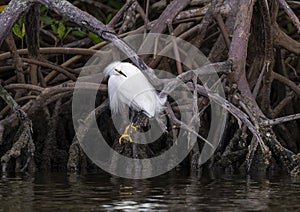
(259, 82)
(97, 4)
(24, 86)
(50, 144)
(129, 19)
(6, 68)
(175, 48)
(251, 153)
(32, 25)
(184, 126)
(83, 128)
(223, 29)
(119, 14)
(25, 130)
(222, 67)
(169, 14)
(53, 73)
(24, 98)
(52, 50)
(219, 51)
(290, 13)
(56, 97)
(283, 103)
(203, 26)
(146, 21)
(16, 57)
(10, 15)
(52, 66)
(287, 82)
(73, 160)
(12, 103)
(200, 27)
(192, 13)
(283, 40)
(161, 24)
(281, 120)
(268, 56)
(140, 10)
(239, 45)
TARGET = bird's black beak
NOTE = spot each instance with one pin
(121, 72)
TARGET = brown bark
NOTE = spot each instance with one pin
(241, 45)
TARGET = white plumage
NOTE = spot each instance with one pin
(128, 86)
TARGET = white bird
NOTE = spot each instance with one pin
(127, 86)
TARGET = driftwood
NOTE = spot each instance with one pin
(248, 71)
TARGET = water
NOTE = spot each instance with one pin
(175, 191)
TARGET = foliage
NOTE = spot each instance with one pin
(95, 38)
(19, 28)
(2, 7)
(115, 4)
(61, 30)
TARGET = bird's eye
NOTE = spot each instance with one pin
(120, 72)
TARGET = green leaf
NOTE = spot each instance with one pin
(19, 28)
(46, 20)
(54, 28)
(69, 29)
(23, 30)
(78, 33)
(290, 27)
(95, 38)
(17, 31)
(2, 7)
(108, 18)
(114, 4)
(43, 8)
(61, 29)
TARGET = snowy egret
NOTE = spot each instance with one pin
(127, 86)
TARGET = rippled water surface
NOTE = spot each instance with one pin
(175, 191)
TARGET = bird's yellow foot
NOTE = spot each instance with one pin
(126, 135)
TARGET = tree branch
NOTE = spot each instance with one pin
(281, 120)
(290, 13)
(239, 46)
(10, 15)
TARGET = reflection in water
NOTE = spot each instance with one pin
(176, 190)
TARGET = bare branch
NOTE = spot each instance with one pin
(239, 45)
(287, 82)
(281, 39)
(281, 120)
(119, 14)
(290, 13)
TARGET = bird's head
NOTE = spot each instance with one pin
(114, 68)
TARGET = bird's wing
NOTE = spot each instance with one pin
(137, 92)
(133, 90)
(115, 102)
(145, 101)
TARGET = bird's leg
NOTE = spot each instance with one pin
(129, 127)
(135, 117)
(126, 134)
